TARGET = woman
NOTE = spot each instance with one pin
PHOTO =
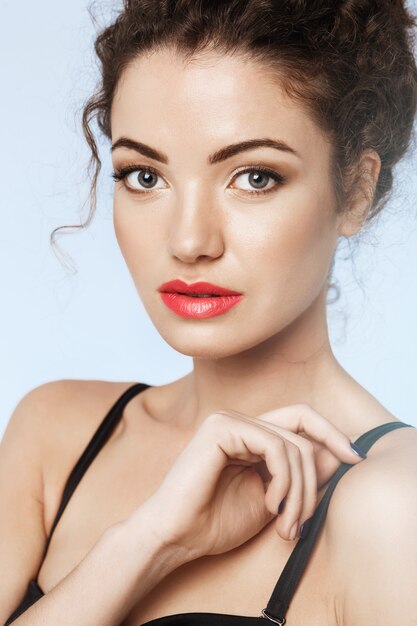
(247, 137)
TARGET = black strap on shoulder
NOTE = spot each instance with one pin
(284, 590)
(93, 447)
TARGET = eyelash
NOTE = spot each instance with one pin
(121, 173)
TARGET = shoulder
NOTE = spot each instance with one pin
(58, 406)
(52, 424)
(46, 433)
(370, 533)
(53, 420)
(388, 471)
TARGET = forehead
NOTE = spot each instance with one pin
(212, 99)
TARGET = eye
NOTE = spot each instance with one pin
(257, 178)
(139, 179)
(144, 179)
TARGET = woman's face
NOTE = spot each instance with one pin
(269, 236)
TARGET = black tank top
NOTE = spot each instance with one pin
(291, 574)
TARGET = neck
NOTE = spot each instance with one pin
(295, 366)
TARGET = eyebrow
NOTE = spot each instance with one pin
(216, 157)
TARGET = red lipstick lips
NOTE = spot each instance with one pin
(178, 286)
(198, 300)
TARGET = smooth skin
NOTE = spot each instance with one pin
(232, 504)
(268, 358)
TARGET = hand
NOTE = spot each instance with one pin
(214, 497)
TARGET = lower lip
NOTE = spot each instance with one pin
(200, 308)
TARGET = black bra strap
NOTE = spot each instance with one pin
(284, 590)
(94, 446)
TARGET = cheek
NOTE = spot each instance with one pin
(292, 249)
(141, 239)
(133, 237)
(124, 234)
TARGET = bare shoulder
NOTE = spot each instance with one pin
(56, 420)
(46, 433)
(62, 408)
(391, 465)
(370, 534)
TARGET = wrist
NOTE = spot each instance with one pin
(144, 533)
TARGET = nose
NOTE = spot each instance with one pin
(196, 229)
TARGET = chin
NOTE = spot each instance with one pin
(209, 344)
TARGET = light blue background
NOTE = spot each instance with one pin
(92, 325)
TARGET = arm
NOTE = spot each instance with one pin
(376, 562)
(102, 585)
(125, 564)
(22, 532)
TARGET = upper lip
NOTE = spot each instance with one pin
(202, 287)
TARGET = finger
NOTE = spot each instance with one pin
(308, 471)
(319, 464)
(302, 417)
(309, 479)
(287, 522)
(247, 442)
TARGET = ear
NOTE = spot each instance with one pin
(365, 179)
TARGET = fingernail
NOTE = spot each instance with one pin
(304, 528)
(281, 506)
(357, 450)
(293, 531)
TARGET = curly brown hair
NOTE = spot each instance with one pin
(349, 62)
